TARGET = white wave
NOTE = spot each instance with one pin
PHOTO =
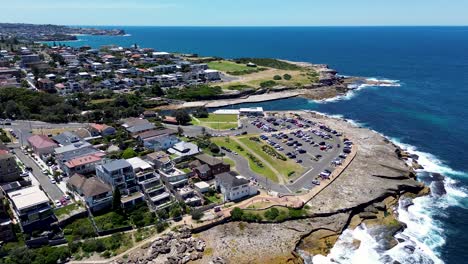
(359, 86)
(423, 234)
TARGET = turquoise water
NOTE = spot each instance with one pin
(427, 112)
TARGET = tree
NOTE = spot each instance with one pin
(237, 213)
(129, 153)
(200, 112)
(182, 117)
(180, 131)
(116, 202)
(277, 77)
(287, 77)
(272, 214)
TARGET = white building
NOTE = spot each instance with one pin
(251, 111)
(234, 187)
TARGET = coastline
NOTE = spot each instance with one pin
(367, 193)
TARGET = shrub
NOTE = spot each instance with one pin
(272, 214)
(277, 77)
(196, 214)
(287, 77)
(237, 213)
(267, 84)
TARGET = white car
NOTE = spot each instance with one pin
(57, 203)
(45, 171)
(53, 181)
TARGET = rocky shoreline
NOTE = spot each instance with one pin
(330, 85)
(367, 192)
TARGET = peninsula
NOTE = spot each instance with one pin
(35, 32)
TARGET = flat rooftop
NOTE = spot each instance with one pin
(28, 197)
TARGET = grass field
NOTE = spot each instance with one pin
(221, 122)
(229, 66)
(232, 145)
(283, 167)
(102, 101)
(66, 209)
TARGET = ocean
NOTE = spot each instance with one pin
(424, 112)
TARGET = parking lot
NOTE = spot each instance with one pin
(314, 146)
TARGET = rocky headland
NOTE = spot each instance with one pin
(367, 192)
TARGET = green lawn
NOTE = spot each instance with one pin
(214, 121)
(111, 220)
(216, 198)
(230, 162)
(66, 209)
(231, 144)
(283, 167)
(101, 101)
(219, 118)
(229, 66)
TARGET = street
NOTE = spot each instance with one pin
(52, 190)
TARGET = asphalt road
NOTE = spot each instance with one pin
(52, 190)
(24, 128)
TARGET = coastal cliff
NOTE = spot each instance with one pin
(366, 192)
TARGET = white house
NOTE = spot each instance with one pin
(234, 187)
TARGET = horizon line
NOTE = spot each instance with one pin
(227, 26)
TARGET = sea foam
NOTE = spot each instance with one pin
(421, 240)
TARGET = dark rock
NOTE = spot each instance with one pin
(438, 188)
(414, 156)
(401, 240)
(409, 249)
(406, 202)
(380, 206)
(367, 215)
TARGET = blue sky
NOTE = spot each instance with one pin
(237, 12)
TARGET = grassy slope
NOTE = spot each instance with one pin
(265, 171)
(227, 66)
(283, 167)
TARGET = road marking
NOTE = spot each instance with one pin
(303, 175)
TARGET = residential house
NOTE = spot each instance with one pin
(101, 130)
(160, 139)
(150, 183)
(66, 138)
(42, 145)
(183, 150)
(234, 187)
(84, 164)
(9, 170)
(119, 174)
(96, 193)
(171, 176)
(6, 225)
(31, 207)
(137, 125)
(209, 166)
(45, 84)
(188, 196)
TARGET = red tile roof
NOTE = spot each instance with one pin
(84, 160)
(41, 141)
